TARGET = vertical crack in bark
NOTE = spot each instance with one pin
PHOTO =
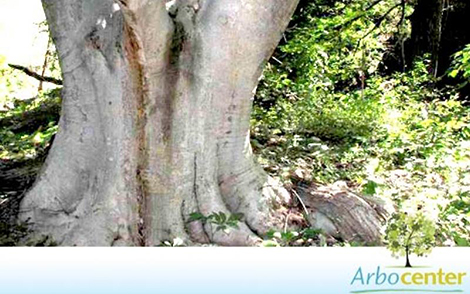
(135, 56)
(172, 76)
(176, 46)
(195, 179)
(141, 225)
(195, 194)
(176, 68)
(203, 235)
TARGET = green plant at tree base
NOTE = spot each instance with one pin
(410, 233)
(27, 128)
(220, 220)
(305, 237)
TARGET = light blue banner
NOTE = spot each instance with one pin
(229, 270)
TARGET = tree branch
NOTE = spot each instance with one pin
(35, 75)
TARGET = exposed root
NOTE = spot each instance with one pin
(209, 200)
(259, 197)
(342, 214)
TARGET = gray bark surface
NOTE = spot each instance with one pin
(155, 121)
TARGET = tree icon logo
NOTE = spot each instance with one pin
(410, 233)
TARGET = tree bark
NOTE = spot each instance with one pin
(426, 24)
(155, 121)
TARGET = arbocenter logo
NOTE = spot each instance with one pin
(407, 280)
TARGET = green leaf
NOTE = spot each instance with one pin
(196, 216)
(370, 188)
(454, 73)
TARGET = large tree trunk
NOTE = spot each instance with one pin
(155, 121)
(426, 26)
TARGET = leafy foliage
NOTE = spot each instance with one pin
(461, 64)
(220, 220)
(19, 235)
(28, 117)
(28, 127)
(325, 112)
(29, 112)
